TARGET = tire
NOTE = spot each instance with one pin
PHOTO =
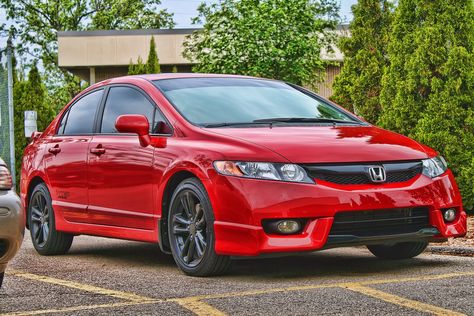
(46, 239)
(402, 250)
(191, 231)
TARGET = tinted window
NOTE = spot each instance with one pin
(229, 100)
(125, 100)
(80, 118)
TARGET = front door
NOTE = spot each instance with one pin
(121, 170)
(66, 158)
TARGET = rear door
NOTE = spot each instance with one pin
(66, 157)
(121, 170)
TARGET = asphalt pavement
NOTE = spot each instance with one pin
(106, 277)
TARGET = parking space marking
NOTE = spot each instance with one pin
(204, 308)
(401, 301)
(197, 305)
(329, 285)
(82, 287)
(76, 308)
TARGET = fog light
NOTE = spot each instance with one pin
(288, 226)
(449, 214)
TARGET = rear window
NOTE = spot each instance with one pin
(79, 119)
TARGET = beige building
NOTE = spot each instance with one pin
(99, 55)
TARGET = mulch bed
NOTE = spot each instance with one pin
(463, 246)
(467, 241)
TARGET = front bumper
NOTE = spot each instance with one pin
(12, 226)
(240, 205)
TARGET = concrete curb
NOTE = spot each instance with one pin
(454, 251)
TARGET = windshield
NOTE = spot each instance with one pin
(214, 102)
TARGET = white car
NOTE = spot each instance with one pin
(12, 220)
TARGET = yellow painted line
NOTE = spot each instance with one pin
(198, 307)
(330, 285)
(83, 287)
(76, 308)
(401, 301)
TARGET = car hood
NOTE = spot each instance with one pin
(329, 144)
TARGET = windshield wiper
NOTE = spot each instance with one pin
(303, 120)
(230, 124)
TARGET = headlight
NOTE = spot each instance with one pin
(434, 167)
(263, 170)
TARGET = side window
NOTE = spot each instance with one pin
(126, 100)
(80, 117)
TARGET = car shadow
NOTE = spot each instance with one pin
(335, 262)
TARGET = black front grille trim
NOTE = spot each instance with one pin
(358, 173)
(381, 222)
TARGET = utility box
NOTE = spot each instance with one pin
(30, 123)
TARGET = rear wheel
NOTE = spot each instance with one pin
(191, 231)
(403, 250)
(46, 239)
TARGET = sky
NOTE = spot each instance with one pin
(185, 10)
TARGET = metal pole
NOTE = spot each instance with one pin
(10, 110)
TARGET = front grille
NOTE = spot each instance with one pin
(358, 173)
(3, 248)
(380, 222)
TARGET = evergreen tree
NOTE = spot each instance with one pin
(131, 68)
(428, 91)
(152, 63)
(137, 69)
(29, 95)
(358, 86)
(403, 91)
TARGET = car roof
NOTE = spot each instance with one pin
(187, 75)
(152, 77)
(162, 76)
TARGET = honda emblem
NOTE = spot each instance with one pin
(377, 174)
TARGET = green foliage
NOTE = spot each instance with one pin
(269, 38)
(174, 69)
(29, 95)
(35, 24)
(358, 86)
(428, 90)
(38, 21)
(152, 63)
(137, 69)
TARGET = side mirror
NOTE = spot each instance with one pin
(137, 124)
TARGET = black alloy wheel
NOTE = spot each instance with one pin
(189, 228)
(191, 231)
(41, 221)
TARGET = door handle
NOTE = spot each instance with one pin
(98, 150)
(55, 150)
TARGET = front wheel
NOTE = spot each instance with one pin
(403, 250)
(191, 231)
(46, 239)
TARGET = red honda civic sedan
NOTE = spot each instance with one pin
(216, 166)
